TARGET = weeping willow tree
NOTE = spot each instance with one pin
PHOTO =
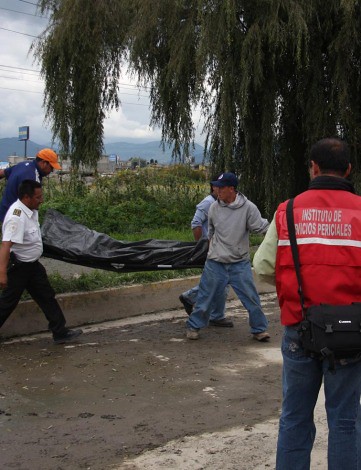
(81, 56)
(271, 78)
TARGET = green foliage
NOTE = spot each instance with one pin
(131, 202)
(271, 78)
(138, 162)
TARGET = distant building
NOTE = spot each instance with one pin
(14, 159)
(105, 165)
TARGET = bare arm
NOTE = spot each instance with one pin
(197, 233)
(4, 261)
(2, 174)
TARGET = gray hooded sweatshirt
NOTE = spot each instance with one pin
(229, 226)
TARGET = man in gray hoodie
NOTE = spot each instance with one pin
(199, 227)
(230, 220)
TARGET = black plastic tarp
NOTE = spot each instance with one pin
(75, 243)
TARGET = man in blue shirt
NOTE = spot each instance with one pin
(45, 162)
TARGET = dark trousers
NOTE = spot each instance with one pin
(33, 278)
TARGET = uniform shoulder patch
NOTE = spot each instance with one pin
(17, 212)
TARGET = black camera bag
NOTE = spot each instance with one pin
(332, 327)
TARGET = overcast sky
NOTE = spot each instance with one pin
(21, 89)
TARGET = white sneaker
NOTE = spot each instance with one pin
(192, 333)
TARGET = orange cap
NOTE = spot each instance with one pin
(49, 156)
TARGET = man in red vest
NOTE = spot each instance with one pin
(328, 231)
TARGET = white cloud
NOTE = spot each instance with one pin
(21, 91)
(119, 126)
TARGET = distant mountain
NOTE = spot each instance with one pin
(148, 150)
(13, 146)
(125, 150)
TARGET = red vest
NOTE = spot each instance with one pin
(328, 231)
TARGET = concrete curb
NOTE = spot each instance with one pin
(109, 304)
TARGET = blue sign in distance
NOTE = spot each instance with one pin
(24, 133)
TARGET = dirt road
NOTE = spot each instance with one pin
(136, 394)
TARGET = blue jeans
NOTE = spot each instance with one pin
(215, 277)
(302, 379)
(217, 310)
(191, 294)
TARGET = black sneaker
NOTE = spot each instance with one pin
(188, 307)
(69, 336)
(224, 322)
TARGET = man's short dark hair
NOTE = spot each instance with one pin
(331, 155)
(214, 177)
(27, 188)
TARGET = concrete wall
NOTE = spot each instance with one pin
(110, 304)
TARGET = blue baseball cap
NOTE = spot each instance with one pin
(225, 179)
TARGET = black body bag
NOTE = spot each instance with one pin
(326, 331)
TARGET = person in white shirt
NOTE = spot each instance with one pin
(20, 268)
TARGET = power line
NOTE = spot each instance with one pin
(135, 104)
(21, 68)
(14, 71)
(125, 85)
(23, 13)
(36, 81)
(30, 3)
(135, 94)
(22, 79)
(27, 91)
(18, 32)
(40, 93)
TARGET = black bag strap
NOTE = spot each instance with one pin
(294, 249)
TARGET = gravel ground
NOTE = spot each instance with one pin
(136, 394)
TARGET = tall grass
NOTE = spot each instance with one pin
(130, 202)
